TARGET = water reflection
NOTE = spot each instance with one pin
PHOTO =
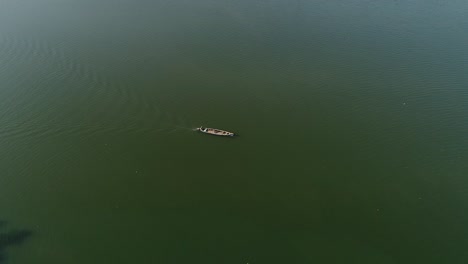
(11, 238)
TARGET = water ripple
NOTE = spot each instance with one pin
(47, 85)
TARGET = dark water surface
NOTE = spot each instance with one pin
(352, 116)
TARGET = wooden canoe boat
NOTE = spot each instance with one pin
(214, 131)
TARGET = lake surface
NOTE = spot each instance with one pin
(352, 119)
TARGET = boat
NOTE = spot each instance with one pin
(214, 131)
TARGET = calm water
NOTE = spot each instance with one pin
(352, 116)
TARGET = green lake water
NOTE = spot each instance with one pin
(352, 119)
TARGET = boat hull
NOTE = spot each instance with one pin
(215, 132)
